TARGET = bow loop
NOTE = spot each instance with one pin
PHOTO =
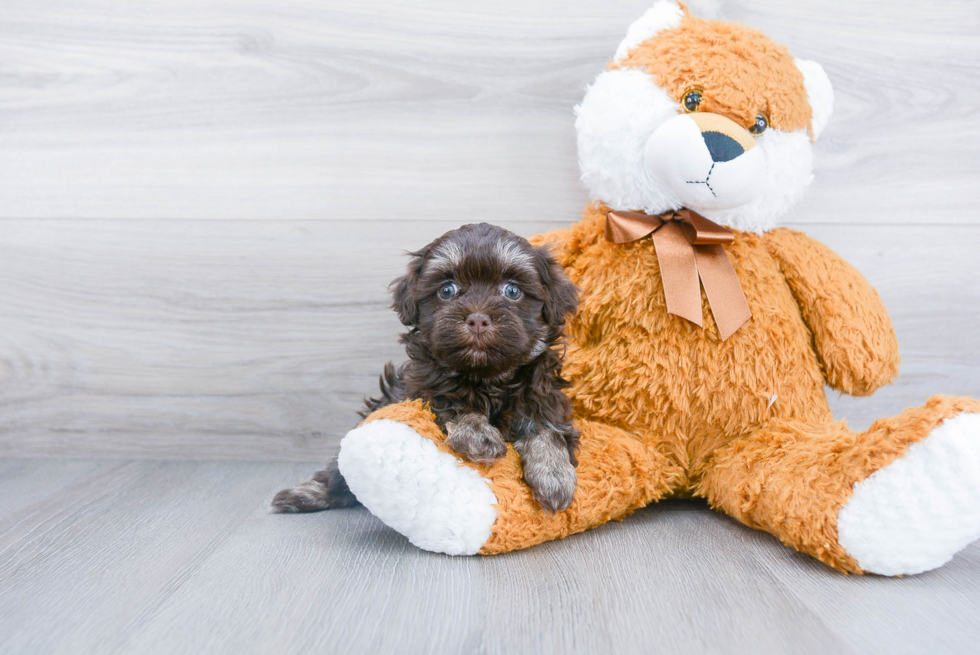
(702, 232)
(689, 249)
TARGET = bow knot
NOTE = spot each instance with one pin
(689, 249)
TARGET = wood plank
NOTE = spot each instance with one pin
(258, 339)
(174, 557)
(863, 610)
(583, 595)
(48, 478)
(81, 569)
(671, 578)
(331, 582)
(387, 110)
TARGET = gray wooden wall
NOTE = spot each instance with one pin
(202, 201)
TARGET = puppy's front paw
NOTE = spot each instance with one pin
(552, 485)
(475, 438)
(548, 470)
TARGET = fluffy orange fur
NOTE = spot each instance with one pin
(791, 478)
(739, 71)
(669, 409)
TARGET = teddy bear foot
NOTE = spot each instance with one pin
(426, 494)
(914, 514)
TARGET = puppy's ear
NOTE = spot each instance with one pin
(404, 290)
(560, 295)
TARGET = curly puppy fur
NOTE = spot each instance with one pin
(486, 314)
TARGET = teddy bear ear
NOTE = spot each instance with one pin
(661, 16)
(819, 92)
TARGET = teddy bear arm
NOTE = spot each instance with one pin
(852, 333)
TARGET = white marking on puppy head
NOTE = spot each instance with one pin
(511, 255)
(447, 256)
(661, 16)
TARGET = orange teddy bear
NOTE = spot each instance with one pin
(692, 145)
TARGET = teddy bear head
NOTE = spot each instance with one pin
(705, 115)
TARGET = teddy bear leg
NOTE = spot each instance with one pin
(617, 473)
(398, 465)
(902, 497)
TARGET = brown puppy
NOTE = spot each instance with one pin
(485, 310)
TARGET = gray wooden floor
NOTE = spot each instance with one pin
(201, 205)
(182, 557)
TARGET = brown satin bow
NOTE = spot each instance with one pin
(689, 248)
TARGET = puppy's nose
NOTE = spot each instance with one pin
(478, 322)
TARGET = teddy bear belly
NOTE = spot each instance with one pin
(663, 378)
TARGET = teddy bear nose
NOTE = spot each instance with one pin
(724, 138)
(721, 147)
(478, 322)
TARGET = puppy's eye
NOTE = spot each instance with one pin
(448, 290)
(760, 125)
(511, 291)
(692, 100)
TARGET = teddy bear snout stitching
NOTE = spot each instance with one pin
(707, 180)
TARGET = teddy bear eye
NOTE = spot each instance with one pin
(511, 291)
(760, 125)
(692, 100)
(448, 290)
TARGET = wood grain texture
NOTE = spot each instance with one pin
(410, 110)
(258, 339)
(112, 546)
(181, 557)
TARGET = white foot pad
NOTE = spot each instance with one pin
(416, 489)
(916, 513)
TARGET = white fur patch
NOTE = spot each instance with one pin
(661, 16)
(819, 92)
(916, 513)
(620, 113)
(678, 159)
(788, 172)
(510, 254)
(416, 489)
(448, 255)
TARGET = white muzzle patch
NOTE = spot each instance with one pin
(706, 169)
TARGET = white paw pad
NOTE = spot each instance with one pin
(916, 513)
(416, 489)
